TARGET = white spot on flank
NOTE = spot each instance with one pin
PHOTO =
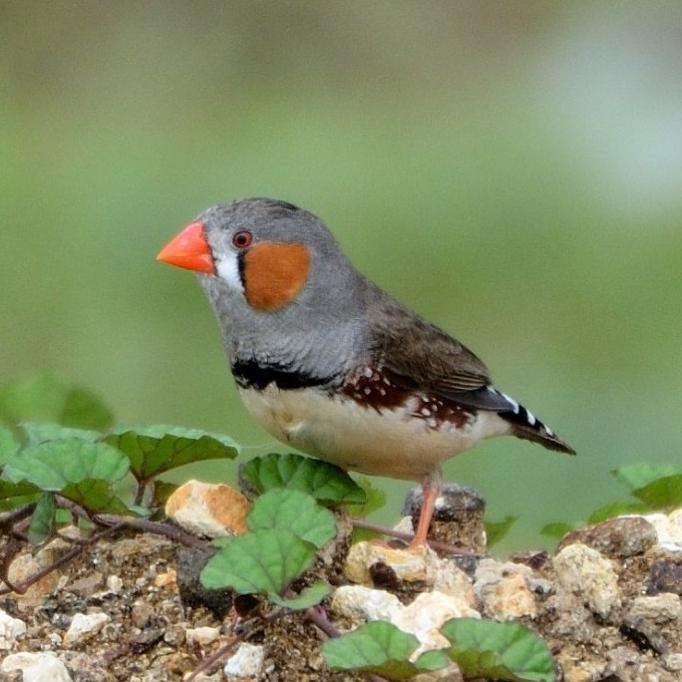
(368, 372)
(425, 411)
(531, 418)
(228, 270)
(368, 391)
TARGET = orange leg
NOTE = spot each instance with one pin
(430, 491)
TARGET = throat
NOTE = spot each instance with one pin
(257, 375)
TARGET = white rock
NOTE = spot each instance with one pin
(443, 576)
(583, 571)
(510, 599)
(405, 525)
(214, 510)
(202, 636)
(668, 530)
(503, 589)
(656, 609)
(425, 616)
(36, 667)
(10, 629)
(83, 626)
(360, 604)
(114, 584)
(246, 663)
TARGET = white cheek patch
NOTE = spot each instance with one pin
(228, 270)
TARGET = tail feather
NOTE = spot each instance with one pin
(527, 426)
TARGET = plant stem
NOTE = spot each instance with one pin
(434, 544)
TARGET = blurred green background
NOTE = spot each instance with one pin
(512, 170)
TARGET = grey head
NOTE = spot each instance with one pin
(283, 291)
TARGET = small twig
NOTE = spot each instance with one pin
(8, 519)
(74, 508)
(146, 526)
(13, 548)
(435, 544)
(58, 563)
(209, 662)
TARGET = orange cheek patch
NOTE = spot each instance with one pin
(274, 274)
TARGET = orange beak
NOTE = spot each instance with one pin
(189, 250)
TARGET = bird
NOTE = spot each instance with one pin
(330, 363)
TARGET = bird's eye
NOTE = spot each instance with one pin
(242, 239)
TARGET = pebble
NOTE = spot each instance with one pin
(665, 575)
(203, 636)
(583, 571)
(190, 561)
(26, 565)
(246, 663)
(360, 604)
(207, 509)
(425, 616)
(84, 626)
(10, 629)
(506, 589)
(114, 584)
(36, 667)
(142, 614)
(659, 619)
(621, 537)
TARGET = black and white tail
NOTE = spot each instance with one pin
(526, 425)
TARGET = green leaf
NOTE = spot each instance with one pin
(496, 530)
(325, 482)
(42, 432)
(155, 449)
(294, 511)
(260, 562)
(8, 445)
(499, 651)
(382, 649)
(608, 511)
(43, 519)
(97, 496)
(45, 398)
(309, 596)
(375, 499)
(557, 529)
(14, 495)
(636, 476)
(662, 493)
(53, 465)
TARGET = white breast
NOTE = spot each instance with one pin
(390, 443)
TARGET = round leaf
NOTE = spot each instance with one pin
(42, 432)
(155, 449)
(499, 651)
(380, 648)
(53, 465)
(261, 562)
(294, 511)
(8, 445)
(311, 595)
(324, 481)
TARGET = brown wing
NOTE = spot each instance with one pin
(420, 355)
